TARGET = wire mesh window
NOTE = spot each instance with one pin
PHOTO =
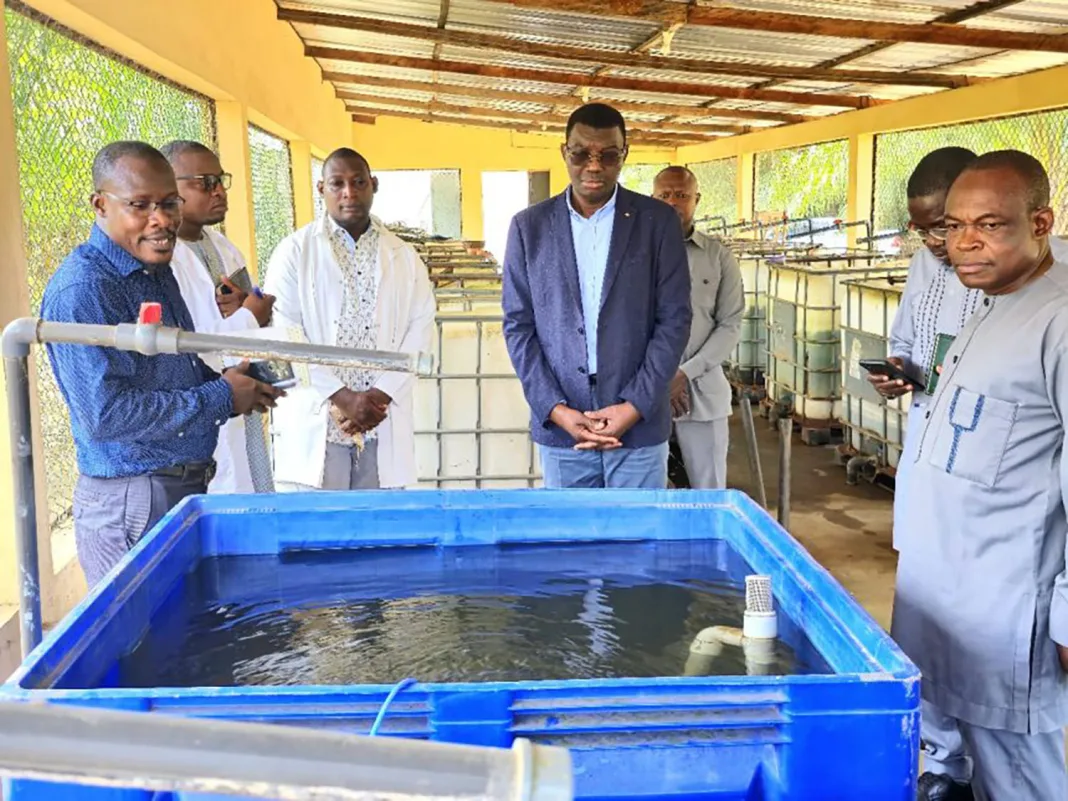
(272, 193)
(71, 98)
(639, 177)
(810, 181)
(717, 181)
(896, 155)
(316, 176)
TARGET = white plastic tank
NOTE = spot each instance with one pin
(805, 300)
(873, 425)
(472, 421)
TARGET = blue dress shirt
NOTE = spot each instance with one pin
(130, 414)
(592, 239)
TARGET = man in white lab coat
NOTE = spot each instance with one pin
(346, 280)
(203, 262)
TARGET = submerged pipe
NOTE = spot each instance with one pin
(148, 340)
(164, 753)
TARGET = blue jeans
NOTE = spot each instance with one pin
(623, 468)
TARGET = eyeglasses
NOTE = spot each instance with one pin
(606, 158)
(210, 182)
(936, 232)
(172, 206)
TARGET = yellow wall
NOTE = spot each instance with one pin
(401, 144)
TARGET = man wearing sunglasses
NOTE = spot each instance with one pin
(597, 313)
(206, 264)
(145, 427)
(981, 599)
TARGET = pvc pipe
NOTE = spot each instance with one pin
(786, 432)
(756, 472)
(165, 753)
(149, 340)
(20, 428)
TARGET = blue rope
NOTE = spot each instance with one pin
(397, 690)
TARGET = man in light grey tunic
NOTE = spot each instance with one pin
(700, 392)
(981, 601)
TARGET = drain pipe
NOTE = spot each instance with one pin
(786, 433)
(155, 752)
(149, 340)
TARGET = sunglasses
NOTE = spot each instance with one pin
(606, 158)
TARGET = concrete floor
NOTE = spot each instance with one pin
(846, 529)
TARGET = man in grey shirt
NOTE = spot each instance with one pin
(981, 602)
(700, 393)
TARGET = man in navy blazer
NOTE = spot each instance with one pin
(596, 316)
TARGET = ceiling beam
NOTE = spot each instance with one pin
(660, 125)
(578, 79)
(521, 127)
(810, 25)
(632, 59)
(476, 93)
(690, 133)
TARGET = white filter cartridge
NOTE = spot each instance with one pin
(760, 621)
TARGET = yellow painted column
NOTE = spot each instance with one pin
(15, 302)
(559, 180)
(745, 186)
(861, 183)
(232, 122)
(300, 157)
(471, 222)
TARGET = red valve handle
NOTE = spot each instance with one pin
(151, 314)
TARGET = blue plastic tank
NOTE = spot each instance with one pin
(847, 734)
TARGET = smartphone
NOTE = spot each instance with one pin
(240, 279)
(883, 367)
(276, 372)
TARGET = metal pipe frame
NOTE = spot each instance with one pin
(148, 340)
(166, 753)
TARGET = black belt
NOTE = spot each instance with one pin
(194, 471)
(593, 380)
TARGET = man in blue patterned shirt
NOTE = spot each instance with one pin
(145, 427)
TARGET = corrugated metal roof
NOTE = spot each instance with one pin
(745, 49)
(549, 26)
(723, 44)
(876, 10)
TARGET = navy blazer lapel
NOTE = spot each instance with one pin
(565, 242)
(622, 228)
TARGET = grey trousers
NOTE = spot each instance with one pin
(112, 514)
(704, 451)
(350, 469)
(1000, 765)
